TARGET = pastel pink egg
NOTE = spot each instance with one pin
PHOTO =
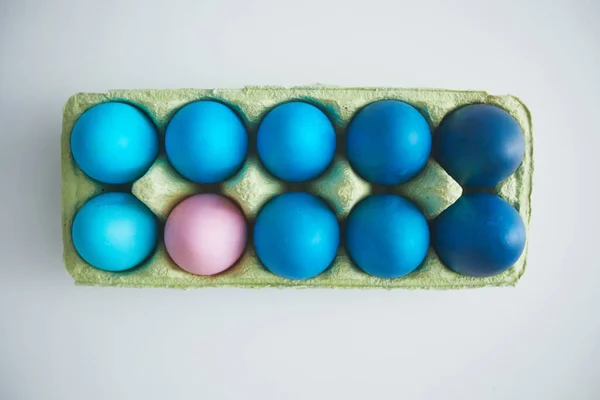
(205, 234)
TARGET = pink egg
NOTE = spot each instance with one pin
(205, 234)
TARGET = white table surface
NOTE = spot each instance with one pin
(540, 340)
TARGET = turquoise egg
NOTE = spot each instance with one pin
(114, 143)
(114, 231)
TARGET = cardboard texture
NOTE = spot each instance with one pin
(162, 188)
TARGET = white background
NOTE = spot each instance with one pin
(540, 340)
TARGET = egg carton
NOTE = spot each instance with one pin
(162, 188)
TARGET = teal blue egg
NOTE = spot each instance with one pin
(296, 236)
(206, 142)
(387, 236)
(296, 141)
(388, 142)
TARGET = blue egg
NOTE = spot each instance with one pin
(114, 231)
(388, 142)
(387, 236)
(296, 236)
(296, 141)
(479, 145)
(206, 142)
(479, 235)
(114, 143)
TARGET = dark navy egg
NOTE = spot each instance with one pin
(388, 142)
(479, 235)
(479, 145)
(387, 236)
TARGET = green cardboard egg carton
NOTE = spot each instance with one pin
(162, 188)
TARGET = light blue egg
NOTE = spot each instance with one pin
(296, 236)
(387, 236)
(388, 142)
(206, 142)
(296, 141)
(114, 231)
(114, 143)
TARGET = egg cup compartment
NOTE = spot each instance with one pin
(162, 187)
